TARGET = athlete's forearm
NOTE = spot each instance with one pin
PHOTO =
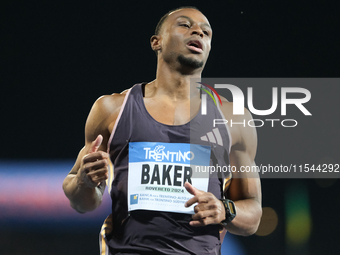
(82, 198)
(248, 216)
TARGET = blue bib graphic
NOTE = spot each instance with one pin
(158, 171)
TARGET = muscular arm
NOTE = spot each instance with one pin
(245, 188)
(85, 184)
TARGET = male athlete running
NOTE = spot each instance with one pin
(153, 117)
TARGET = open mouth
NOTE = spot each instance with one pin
(195, 45)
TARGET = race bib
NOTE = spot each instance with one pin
(158, 171)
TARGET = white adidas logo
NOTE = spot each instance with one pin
(213, 137)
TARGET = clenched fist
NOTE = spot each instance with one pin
(209, 209)
(94, 165)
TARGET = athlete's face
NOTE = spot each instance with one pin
(186, 38)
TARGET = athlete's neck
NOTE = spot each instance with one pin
(174, 83)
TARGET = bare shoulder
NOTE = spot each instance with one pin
(109, 104)
(103, 115)
(243, 135)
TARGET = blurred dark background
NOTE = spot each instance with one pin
(58, 57)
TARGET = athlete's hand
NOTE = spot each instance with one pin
(209, 209)
(94, 165)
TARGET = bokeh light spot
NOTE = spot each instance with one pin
(269, 222)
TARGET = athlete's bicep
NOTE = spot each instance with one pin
(97, 123)
(245, 183)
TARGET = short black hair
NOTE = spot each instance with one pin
(161, 21)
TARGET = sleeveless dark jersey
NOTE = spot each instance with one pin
(154, 232)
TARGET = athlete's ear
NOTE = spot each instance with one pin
(155, 42)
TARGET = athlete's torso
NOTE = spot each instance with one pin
(145, 231)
